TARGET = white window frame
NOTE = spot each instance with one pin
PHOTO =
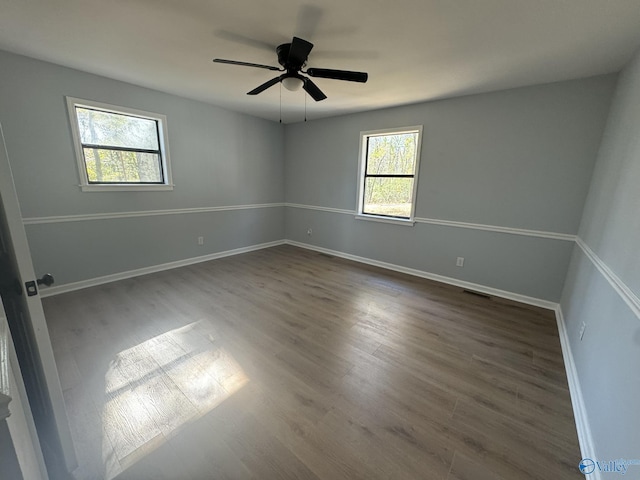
(163, 138)
(360, 215)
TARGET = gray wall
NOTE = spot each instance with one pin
(608, 357)
(218, 158)
(520, 158)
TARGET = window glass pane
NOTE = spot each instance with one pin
(117, 166)
(388, 196)
(392, 154)
(116, 130)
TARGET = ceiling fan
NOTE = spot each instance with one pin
(293, 58)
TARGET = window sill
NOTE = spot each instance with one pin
(125, 188)
(394, 221)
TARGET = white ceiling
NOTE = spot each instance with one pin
(413, 50)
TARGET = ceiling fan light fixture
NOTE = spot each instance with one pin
(292, 83)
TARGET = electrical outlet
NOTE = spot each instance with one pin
(583, 327)
(460, 262)
(200, 240)
(309, 231)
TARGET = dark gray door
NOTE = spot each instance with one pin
(13, 295)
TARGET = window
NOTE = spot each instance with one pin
(388, 174)
(119, 148)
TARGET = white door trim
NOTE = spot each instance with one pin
(34, 305)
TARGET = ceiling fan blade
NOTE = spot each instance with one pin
(309, 17)
(299, 51)
(265, 85)
(246, 64)
(313, 90)
(243, 39)
(361, 77)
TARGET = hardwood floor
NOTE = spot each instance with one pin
(288, 364)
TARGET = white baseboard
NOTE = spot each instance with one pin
(70, 287)
(587, 448)
(537, 302)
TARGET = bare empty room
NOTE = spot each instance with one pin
(323, 240)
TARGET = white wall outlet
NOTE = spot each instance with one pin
(460, 262)
(583, 327)
(309, 231)
(200, 240)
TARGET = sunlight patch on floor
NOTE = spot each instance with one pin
(154, 388)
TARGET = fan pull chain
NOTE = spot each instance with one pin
(305, 106)
(280, 102)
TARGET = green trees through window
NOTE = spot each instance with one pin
(119, 148)
(389, 174)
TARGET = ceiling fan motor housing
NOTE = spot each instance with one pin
(283, 56)
(291, 66)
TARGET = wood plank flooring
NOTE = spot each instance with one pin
(289, 364)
